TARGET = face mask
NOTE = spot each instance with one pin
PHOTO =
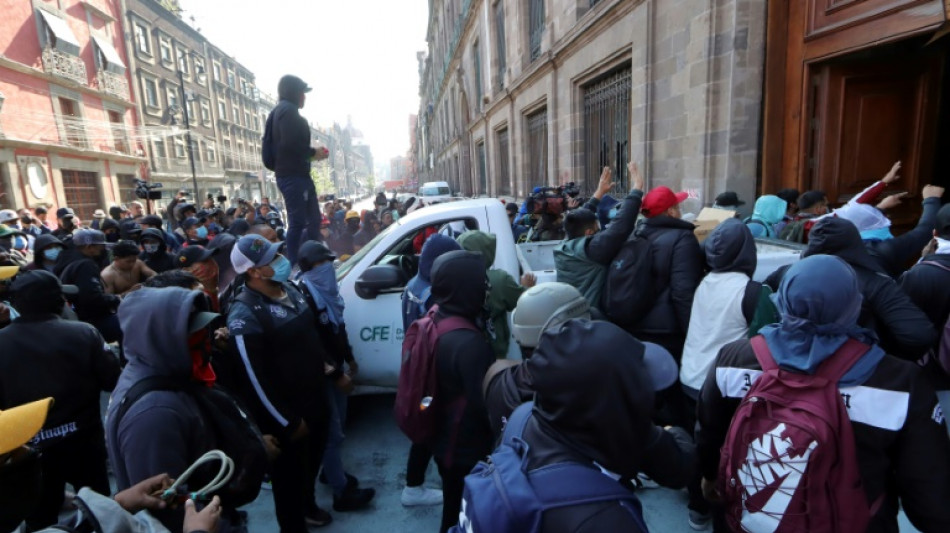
(112, 237)
(19, 243)
(880, 234)
(199, 346)
(51, 254)
(282, 268)
(151, 248)
(202, 232)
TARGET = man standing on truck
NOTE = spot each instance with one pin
(582, 259)
(286, 150)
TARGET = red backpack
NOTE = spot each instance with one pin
(788, 462)
(417, 398)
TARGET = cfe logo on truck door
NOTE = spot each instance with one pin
(382, 333)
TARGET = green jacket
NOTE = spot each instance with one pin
(579, 271)
(504, 293)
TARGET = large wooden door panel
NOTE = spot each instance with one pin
(826, 16)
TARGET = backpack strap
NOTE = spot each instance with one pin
(449, 323)
(141, 388)
(836, 366)
(941, 266)
(750, 300)
(570, 484)
(517, 421)
(762, 353)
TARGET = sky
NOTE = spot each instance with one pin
(358, 55)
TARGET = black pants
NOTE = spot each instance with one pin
(315, 447)
(79, 460)
(453, 484)
(290, 475)
(418, 463)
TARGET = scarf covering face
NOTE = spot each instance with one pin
(321, 281)
(819, 300)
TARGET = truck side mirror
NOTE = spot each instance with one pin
(377, 279)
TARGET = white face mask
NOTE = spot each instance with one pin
(151, 248)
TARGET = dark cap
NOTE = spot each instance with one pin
(190, 255)
(39, 285)
(512, 207)
(290, 87)
(190, 222)
(64, 212)
(151, 220)
(40, 210)
(87, 237)
(729, 199)
(809, 199)
(153, 234)
(789, 195)
(313, 252)
(943, 222)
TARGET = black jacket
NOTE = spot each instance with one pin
(45, 356)
(928, 286)
(291, 137)
(92, 302)
(894, 254)
(603, 246)
(901, 442)
(903, 328)
(160, 261)
(279, 350)
(678, 264)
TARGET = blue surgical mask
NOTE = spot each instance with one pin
(880, 234)
(51, 254)
(20, 243)
(282, 268)
(202, 232)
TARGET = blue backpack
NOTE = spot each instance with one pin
(502, 496)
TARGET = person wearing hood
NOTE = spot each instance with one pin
(903, 451)
(768, 212)
(288, 153)
(416, 302)
(46, 250)
(110, 227)
(346, 238)
(367, 232)
(317, 280)
(93, 304)
(285, 388)
(154, 251)
(462, 357)
(582, 389)
(155, 222)
(46, 356)
(904, 330)
(503, 292)
(893, 253)
(582, 259)
(163, 431)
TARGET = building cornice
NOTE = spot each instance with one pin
(72, 150)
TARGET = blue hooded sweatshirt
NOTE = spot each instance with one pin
(416, 299)
(769, 211)
(163, 431)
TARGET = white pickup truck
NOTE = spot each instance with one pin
(372, 280)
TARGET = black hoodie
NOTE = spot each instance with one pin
(42, 242)
(463, 435)
(904, 329)
(731, 248)
(594, 405)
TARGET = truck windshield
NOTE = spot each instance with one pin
(435, 191)
(348, 265)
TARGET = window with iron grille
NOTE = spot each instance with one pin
(607, 130)
(477, 59)
(120, 139)
(504, 180)
(501, 61)
(535, 26)
(82, 192)
(482, 171)
(126, 188)
(537, 174)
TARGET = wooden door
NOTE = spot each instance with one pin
(868, 115)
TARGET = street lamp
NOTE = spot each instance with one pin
(200, 73)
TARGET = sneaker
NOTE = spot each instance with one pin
(353, 499)
(267, 484)
(317, 518)
(643, 481)
(413, 496)
(351, 481)
(699, 521)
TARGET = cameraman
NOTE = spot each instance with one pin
(582, 259)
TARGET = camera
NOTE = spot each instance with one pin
(147, 191)
(222, 198)
(552, 200)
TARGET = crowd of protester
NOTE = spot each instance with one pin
(644, 365)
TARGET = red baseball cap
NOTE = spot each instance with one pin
(657, 201)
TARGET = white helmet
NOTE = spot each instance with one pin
(547, 305)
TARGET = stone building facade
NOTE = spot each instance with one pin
(521, 93)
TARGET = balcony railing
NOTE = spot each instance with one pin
(64, 65)
(114, 84)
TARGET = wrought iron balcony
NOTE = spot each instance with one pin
(64, 65)
(114, 84)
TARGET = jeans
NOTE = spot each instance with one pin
(332, 457)
(303, 212)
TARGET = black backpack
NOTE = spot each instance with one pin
(235, 433)
(628, 291)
